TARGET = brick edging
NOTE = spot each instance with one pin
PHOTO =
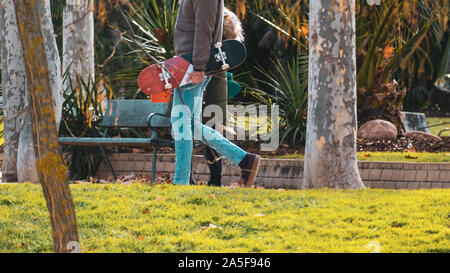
(286, 173)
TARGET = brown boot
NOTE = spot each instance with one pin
(249, 168)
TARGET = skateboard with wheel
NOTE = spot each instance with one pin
(160, 79)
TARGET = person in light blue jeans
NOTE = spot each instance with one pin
(199, 25)
(186, 125)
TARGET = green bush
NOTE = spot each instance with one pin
(402, 41)
(82, 115)
(289, 90)
(153, 23)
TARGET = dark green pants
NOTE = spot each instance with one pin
(215, 93)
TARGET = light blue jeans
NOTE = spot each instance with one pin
(186, 125)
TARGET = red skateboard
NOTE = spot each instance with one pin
(159, 80)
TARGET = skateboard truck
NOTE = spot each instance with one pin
(164, 77)
(222, 57)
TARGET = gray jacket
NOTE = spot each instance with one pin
(199, 25)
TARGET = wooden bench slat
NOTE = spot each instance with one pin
(96, 141)
(134, 113)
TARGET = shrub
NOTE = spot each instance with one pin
(81, 117)
(288, 90)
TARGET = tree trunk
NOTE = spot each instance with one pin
(14, 89)
(53, 60)
(25, 159)
(78, 40)
(330, 154)
(50, 165)
(19, 160)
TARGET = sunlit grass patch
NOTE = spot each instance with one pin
(164, 218)
(389, 156)
(2, 139)
(405, 157)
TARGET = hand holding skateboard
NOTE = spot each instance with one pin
(196, 77)
(160, 79)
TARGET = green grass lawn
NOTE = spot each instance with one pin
(164, 218)
(2, 139)
(404, 157)
(389, 156)
(437, 129)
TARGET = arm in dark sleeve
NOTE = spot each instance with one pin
(205, 22)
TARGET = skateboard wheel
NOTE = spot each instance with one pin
(225, 67)
(168, 86)
(218, 45)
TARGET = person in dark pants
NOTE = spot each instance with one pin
(216, 93)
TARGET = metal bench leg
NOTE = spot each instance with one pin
(155, 151)
(102, 149)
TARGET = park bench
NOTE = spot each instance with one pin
(418, 122)
(129, 114)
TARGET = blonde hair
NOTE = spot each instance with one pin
(232, 27)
